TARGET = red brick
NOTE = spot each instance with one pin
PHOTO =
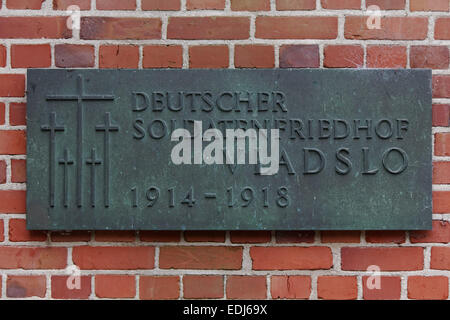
(392, 28)
(296, 27)
(116, 4)
(119, 57)
(18, 171)
(385, 236)
(290, 287)
(294, 236)
(343, 56)
(388, 258)
(337, 288)
(246, 287)
(442, 29)
(160, 236)
(250, 5)
(441, 115)
(433, 57)
(202, 287)
(291, 258)
(159, 287)
(25, 286)
(114, 258)
(386, 57)
(33, 258)
(156, 56)
(72, 236)
(338, 236)
(208, 28)
(250, 236)
(429, 5)
(74, 56)
(2, 236)
(115, 286)
(341, 4)
(61, 291)
(115, 235)
(12, 201)
(2, 171)
(299, 56)
(12, 85)
(205, 4)
(2, 113)
(254, 56)
(24, 4)
(17, 114)
(296, 4)
(2, 56)
(387, 4)
(18, 232)
(440, 258)
(441, 201)
(441, 172)
(12, 142)
(34, 28)
(204, 236)
(426, 288)
(208, 56)
(102, 28)
(441, 86)
(442, 144)
(390, 289)
(439, 234)
(163, 5)
(63, 4)
(200, 257)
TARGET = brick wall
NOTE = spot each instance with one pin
(220, 34)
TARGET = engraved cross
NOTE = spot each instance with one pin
(107, 127)
(80, 97)
(93, 161)
(52, 127)
(66, 161)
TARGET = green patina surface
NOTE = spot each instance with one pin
(97, 160)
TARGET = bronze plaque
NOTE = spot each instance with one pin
(104, 149)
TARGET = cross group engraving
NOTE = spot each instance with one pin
(93, 161)
(66, 161)
(81, 97)
(107, 127)
(52, 127)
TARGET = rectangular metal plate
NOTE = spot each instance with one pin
(355, 149)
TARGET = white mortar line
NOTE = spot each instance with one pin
(141, 57)
(231, 56)
(137, 286)
(403, 287)
(359, 287)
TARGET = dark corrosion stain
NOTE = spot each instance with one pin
(15, 290)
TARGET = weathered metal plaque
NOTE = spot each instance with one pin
(354, 149)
